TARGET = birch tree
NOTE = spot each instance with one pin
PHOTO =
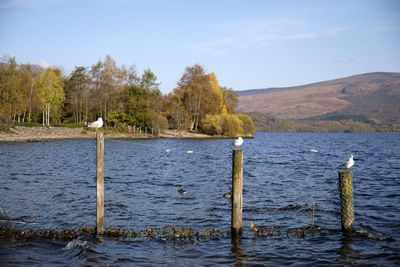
(190, 89)
(77, 94)
(51, 94)
(200, 94)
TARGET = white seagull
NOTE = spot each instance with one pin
(349, 163)
(238, 142)
(96, 124)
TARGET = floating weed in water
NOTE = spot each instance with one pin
(10, 234)
(272, 231)
(182, 232)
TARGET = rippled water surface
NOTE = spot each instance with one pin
(52, 185)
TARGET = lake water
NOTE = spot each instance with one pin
(52, 185)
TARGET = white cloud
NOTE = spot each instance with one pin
(256, 33)
(44, 64)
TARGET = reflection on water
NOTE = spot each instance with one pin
(239, 252)
(52, 185)
(347, 254)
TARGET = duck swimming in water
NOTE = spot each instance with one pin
(255, 229)
(181, 191)
(228, 195)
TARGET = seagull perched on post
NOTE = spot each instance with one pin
(349, 163)
(238, 142)
(96, 124)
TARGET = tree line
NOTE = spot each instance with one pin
(29, 93)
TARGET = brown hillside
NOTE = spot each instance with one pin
(365, 93)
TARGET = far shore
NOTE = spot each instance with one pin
(38, 134)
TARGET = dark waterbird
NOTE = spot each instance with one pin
(228, 195)
(181, 191)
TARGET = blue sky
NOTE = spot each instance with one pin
(248, 44)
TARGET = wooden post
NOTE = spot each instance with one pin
(346, 201)
(237, 190)
(100, 183)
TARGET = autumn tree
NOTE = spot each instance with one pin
(231, 100)
(95, 75)
(174, 111)
(199, 93)
(213, 124)
(9, 95)
(190, 92)
(32, 101)
(213, 100)
(200, 103)
(51, 93)
(248, 124)
(109, 81)
(77, 93)
(25, 85)
(120, 97)
(107, 85)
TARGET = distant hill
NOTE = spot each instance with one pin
(365, 102)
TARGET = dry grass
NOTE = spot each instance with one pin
(362, 93)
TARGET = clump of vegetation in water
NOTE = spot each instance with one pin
(10, 234)
(264, 231)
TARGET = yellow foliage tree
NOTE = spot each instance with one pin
(213, 99)
(213, 124)
(248, 124)
(201, 103)
(51, 93)
(233, 126)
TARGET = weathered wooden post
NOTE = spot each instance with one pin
(237, 191)
(100, 183)
(346, 201)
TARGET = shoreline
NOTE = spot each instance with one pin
(40, 134)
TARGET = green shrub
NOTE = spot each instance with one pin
(29, 124)
(67, 125)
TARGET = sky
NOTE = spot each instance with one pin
(248, 44)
